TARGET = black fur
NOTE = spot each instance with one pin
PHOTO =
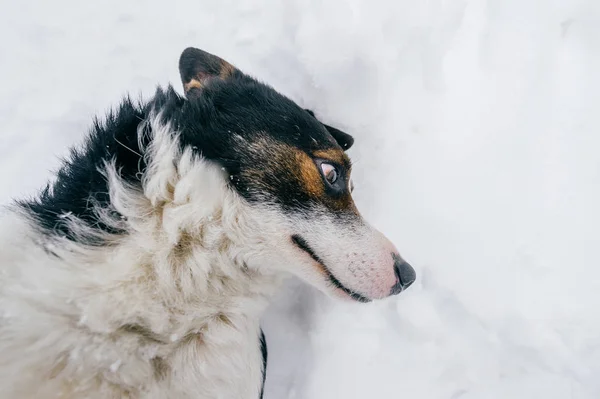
(343, 139)
(80, 183)
(211, 123)
(263, 350)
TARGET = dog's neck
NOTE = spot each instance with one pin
(183, 278)
(181, 249)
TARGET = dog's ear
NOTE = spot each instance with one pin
(196, 67)
(343, 139)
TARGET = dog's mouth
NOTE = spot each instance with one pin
(303, 245)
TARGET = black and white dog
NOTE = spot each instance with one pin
(143, 269)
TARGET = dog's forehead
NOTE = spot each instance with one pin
(257, 110)
(267, 146)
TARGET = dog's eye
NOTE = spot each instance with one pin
(330, 172)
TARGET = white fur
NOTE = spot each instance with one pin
(171, 309)
(182, 275)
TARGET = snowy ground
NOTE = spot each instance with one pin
(478, 130)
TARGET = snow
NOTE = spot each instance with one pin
(477, 132)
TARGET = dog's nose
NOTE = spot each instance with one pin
(405, 273)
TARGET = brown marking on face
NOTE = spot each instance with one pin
(192, 84)
(338, 157)
(344, 203)
(308, 174)
(313, 180)
(226, 70)
(291, 163)
(335, 155)
(350, 206)
(273, 158)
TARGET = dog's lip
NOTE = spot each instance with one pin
(303, 245)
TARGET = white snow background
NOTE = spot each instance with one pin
(477, 127)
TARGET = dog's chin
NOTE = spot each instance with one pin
(345, 293)
(344, 296)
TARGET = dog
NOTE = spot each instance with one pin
(142, 269)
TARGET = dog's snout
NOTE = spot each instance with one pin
(405, 274)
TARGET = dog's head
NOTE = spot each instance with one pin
(294, 175)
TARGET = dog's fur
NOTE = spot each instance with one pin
(143, 269)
